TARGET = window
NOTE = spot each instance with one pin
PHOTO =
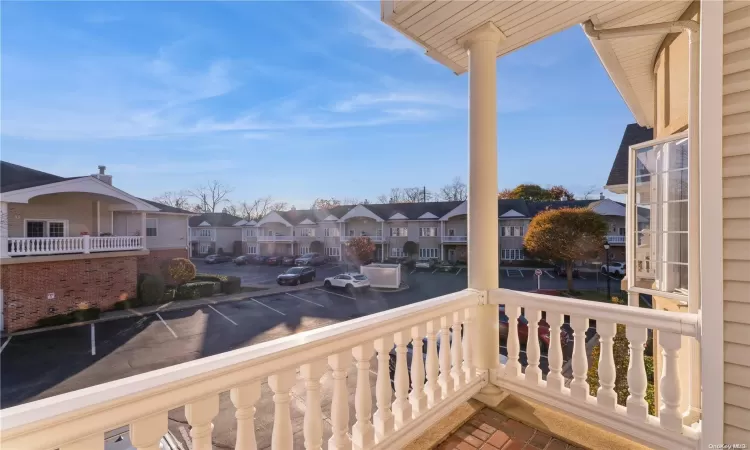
(379, 232)
(502, 231)
(428, 232)
(519, 231)
(204, 248)
(250, 232)
(304, 250)
(451, 232)
(331, 232)
(658, 208)
(46, 228)
(351, 232)
(512, 254)
(307, 232)
(333, 251)
(397, 252)
(399, 231)
(429, 252)
(362, 233)
(252, 249)
(622, 231)
(152, 225)
(204, 232)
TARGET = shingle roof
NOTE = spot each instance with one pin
(634, 134)
(166, 208)
(221, 219)
(412, 211)
(14, 177)
(537, 207)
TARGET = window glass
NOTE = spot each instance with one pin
(34, 229)
(56, 229)
(151, 227)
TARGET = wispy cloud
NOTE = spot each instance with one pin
(100, 17)
(379, 35)
(367, 100)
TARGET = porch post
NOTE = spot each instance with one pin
(382, 241)
(4, 223)
(143, 231)
(481, 44)
(98, 218)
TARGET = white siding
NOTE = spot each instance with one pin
(737, 223)
(171, 231)
(225, 237)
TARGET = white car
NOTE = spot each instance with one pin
(425, 263)
(348, 281)
(615, 268)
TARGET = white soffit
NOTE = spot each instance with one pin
(459, 210)
(204, 224)
(307, 222)
(512, 213)
(330, 218)
(240, 223)
(437, 25)
(397, 216)
(428, 215)
(274, 217)
(360, 211)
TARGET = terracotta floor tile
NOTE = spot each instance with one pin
(513, 445)
(478, 423)
(487, 446)
(450, 444)
(556, 444)
(520, 431)
(468, 438)
(498, 439)
(540, 440)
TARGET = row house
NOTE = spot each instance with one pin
(439, 229)
(212, 233)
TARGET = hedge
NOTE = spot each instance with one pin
(150, 289)
(229, 284)
(80, 315)
(194, 289)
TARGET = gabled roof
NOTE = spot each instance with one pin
(398, 216)
(519, 206)
(634, 134)
(166, 208)
(428, 215)
(221, 219)
(14, 177)
(512, 213)
(413, 211)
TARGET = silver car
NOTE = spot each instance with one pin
(310, 259)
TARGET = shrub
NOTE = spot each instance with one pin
(168, 295)
(193, 290)
(181, 270)
(151, 289)
(128, 304)
(229, 284)
(80, 315)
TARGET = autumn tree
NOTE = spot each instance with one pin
(176, 199)
(455, 191)
(360, 249)
(411, 248)
(567, 235)
(536, 193)
(325, 203)
(210, 196)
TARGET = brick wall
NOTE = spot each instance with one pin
(154, 262)
(96, 282)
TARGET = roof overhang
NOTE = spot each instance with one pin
(460, 210)
(274, 217)
(88, 185)
(438, 27)
(617, 188)
(360, 211)
(307, 222)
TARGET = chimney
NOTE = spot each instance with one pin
(601, 195)
(101, 176)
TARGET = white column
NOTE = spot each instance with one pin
(244, 398)
(313, 424)
(147, 432)
(382, 241)
(4, 219)
(143, 230)
(481, 44)
(98, 218)
(200, 415)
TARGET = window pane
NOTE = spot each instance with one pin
(56, 229)
(34, 229)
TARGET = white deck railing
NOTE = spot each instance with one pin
(615, 239)
(79, 419)
(62, 245)
(277, 238)
(633, 420)
(454, 238)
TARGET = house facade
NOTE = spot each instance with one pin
(70, 243)
(438, 229)
(212, 233)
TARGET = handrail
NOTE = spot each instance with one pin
(685, 324)
(111, 405)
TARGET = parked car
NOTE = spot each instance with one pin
(274, 260)
(260, 259)
(311, 259)
(288, 260)
(216, 259)
(523, 331)
(425, 263)
(561, 271)
(296, 275)
(244, 259)
(614, 268)
(349, 281)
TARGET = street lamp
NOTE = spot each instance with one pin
(606, 253)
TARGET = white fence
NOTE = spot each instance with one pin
(62, 245)
(277, 238)
(454, 238)
(383, 275)
(439, 383)
(615, 239)
(633, 420)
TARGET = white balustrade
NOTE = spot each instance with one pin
(417, 397)
(200, 414)
(454, 238)
(631, 419)
(115, 243)
(64, 245)
(432, 389)
(444, 358)
(363, 432)
(383, 418)
(281, 384)
(277, 238)
(311, 373)
(456, 352)
(244, 398)
(615, 239)
(467, 345)
(401, 406)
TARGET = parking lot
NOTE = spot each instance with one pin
(253, 274)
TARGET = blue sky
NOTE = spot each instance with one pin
(296, 100)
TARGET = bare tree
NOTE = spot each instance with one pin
(407, 195)
(455, 191)
(590, 192)
(177, 199)
(258, 208)
(325, 203)
(210, 196)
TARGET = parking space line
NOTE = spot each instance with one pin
(459, 270)
(5, 343)
(165, 324)
(434, 270)
(222, 315)
(93, 340)
(520, 272)
(263, 304)
(305, 300)
(581, 276)
(548, 274)
(413, 270)
(335, 293)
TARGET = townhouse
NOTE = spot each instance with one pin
(216, 233)
(438, 229)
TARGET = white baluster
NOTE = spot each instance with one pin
(313, 425)
(363, 433)
(467, 342)
(244, 398)
(637, 383)
(555, 379)
(417, 397)
(146, 433)
(339, 403)
(444, 356)
(432, 389)
(605, 395)
(200, 415)
(456, 353)
(401, 406)
(533, 373)
(281, 384)
(669, 384)
(579, 388)
(383, 419)
(87, 443)
(512, 367)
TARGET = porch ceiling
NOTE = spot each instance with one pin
(437, 25)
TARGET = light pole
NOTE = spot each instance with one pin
(606, 253)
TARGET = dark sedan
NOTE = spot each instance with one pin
(274, 260)
(288, 260)
(216, 259)
(296, 275)
(244, 259)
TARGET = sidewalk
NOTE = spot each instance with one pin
(175, 305)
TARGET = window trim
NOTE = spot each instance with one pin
(65, 222)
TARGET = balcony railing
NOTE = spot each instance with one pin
(616, 239)
(277, 238)
(454, 239)
(441, 382)
(372, 238)
(632, 420)
(62, 245)
(246, 238)
(202, 238)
